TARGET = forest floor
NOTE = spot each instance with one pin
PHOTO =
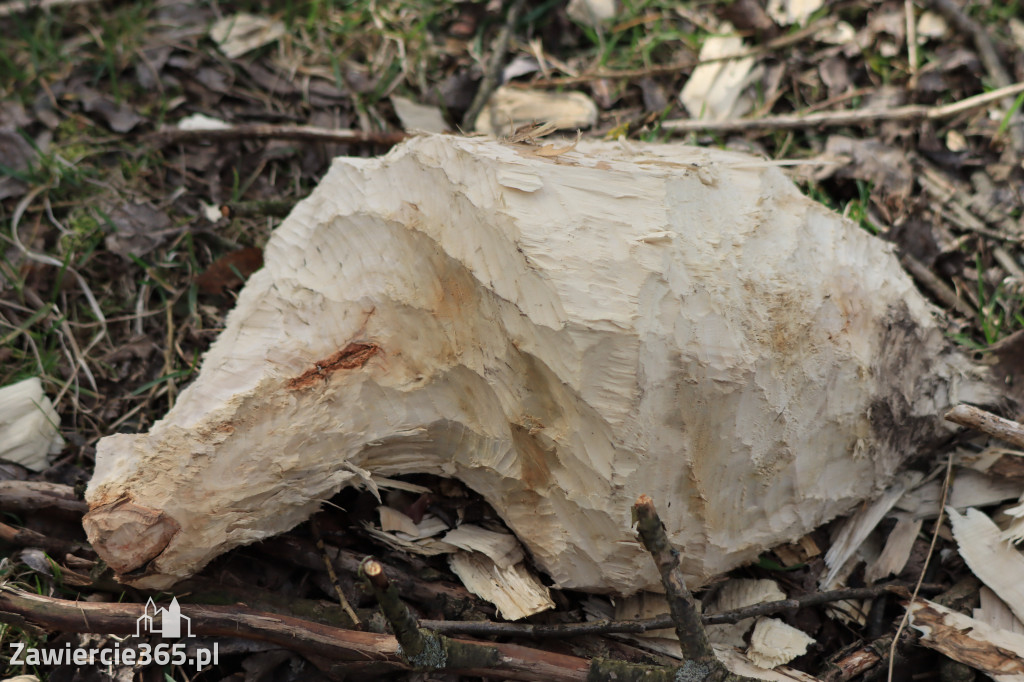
(124, 238)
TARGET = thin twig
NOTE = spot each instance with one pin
(260, 131)
(924, 568)
(846, 117)
(493, 71)
(685, 65)
(986, 422)
(607, 627)
(927, 278)
(908, 11)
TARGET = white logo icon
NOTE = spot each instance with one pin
(170, 620)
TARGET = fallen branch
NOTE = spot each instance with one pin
(846, 117)
(25, 609)
(26, 496)
(425, 650)
(693, 640)
(262, 131)
(26, 537)
(692, 63)
(986, 422)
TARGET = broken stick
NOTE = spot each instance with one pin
(986, 422)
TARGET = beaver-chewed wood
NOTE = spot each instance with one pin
(562, 331)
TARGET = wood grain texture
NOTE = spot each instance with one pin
(561, 333)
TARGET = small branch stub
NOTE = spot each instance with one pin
(692, 638)
(422, 649)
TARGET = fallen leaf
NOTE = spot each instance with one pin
(118, 116)
(230, 270)
(138, 229)
(242, 33)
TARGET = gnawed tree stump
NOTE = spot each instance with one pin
(562, 333)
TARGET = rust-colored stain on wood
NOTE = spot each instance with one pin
(350, 357)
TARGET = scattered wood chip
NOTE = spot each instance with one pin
(774, 643)
(857, 528)
(736, 594)
(1015, 530)
(995, 561)
(739, 664)
(931, 25)
(29, 425)
(502, 548)
(997, 653)
(713, 90)
(994, 611)
(392, 520)
(969, 489)
(997, 462)
(897, 549)
(591, 12)
(202, 122)
(425, 546)
(509, 108)
(514, 590)
(789, 12)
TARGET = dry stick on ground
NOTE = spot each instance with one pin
(425, 650)
(279, 132)
(493, 73)
(315, 528)
(986, 422)
(677, 67)
(605, 627)
(942, 291)
(847, 117)
(26, 496)
(859, 659)
(25, 609)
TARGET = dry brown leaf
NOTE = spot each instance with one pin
(230, 270)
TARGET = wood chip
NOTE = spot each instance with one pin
(996, 562)
(997, 653)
